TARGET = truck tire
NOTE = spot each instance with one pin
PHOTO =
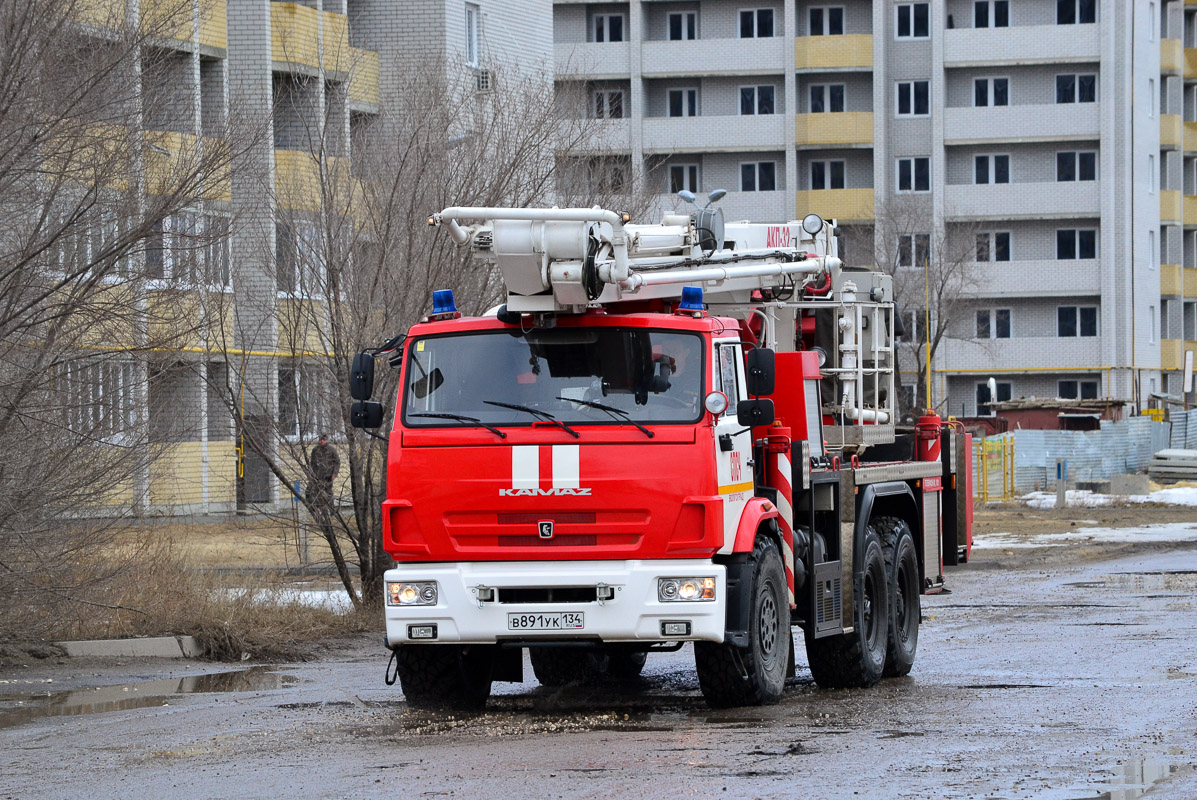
(561, 666)
(857, 659)
(902, 570)
(445, 676)
(732, 676)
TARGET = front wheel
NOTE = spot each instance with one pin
(857, 659)
(733, 676)
(444, 676)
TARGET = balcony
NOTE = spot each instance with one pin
(1190, 62)
(731, 134)
(1172, 56)
(1001, 201)
(848, 129)
(1171, 206)
(363, 77)
(760, 207)
(844, 205)
(193, 474)
(1190, 137)
(1047, 278)
(1190, 211)
(1020, 45)
(1012, 355)
(1029, 123)
(295, 33)
(592, 60)
(1172, 353)
(213, 24)
(299, 184)
(1172, 134)
(1172, 280)
(598, 135)
(852, 52)
(1190, 282)
(713, 57)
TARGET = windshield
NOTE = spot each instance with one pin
(647, 375)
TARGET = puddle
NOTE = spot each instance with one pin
(1163, 581)
(1132, 778)
(20, 709)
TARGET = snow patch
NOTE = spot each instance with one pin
(1081, 498)
(1166, 533)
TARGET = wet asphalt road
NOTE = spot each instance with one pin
(1052, 682)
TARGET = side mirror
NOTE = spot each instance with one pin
(751, 413)
(361, 377)
(365, 414)
(760, 372)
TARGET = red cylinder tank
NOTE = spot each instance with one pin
(928, 437)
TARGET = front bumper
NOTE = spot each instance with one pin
(633, 615)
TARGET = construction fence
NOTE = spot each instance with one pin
(1022, 461)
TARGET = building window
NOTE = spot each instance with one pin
(1072, 12)
(756, 99)
(683, 176)
(471, 34)
(914, 326)
(1073, 165)
(100, 398)
(826, 21)
(1073, 243)
(299, 267)
(913, 99)
(1076, 88)
(683, 102)
(758, 176)
(913, 21)
(1076, 321)
(991, 13)
(608, 104)
(683, 25)
(608, 28)
(991, 169)
(1151, 324)
(827, 174)
(914, 174)
(827, 98)
(756, 23)
(1076, 390)
(914, 249)
(993, 246)
(303, 407)
(1004, 392)
(991, 92)
(993, 323)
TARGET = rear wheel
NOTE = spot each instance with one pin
(857, 658)
(443, 676)
(902, 568)
(561, 666)
(733, 676)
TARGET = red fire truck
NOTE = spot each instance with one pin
(669, 433)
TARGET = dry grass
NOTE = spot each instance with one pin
(155, 583)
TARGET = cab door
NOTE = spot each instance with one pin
(733, 444)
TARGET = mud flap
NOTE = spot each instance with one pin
(739, 599)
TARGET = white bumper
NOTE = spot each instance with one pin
(635, 613)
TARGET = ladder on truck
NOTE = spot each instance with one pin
(789, 276)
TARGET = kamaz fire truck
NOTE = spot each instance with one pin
(669, 433)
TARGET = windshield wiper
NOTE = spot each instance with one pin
(617, 413)
(461, 418)
(536, 412)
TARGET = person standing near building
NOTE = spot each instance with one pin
(323, 465)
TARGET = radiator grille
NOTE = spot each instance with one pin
(563, 518)
(558, 594)
(560, 540)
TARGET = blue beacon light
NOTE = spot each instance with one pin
(691, 299)
(443, 302)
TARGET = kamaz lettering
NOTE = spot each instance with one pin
(543, 492)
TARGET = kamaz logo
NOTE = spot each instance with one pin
(544, 492)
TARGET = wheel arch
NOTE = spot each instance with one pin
(890, 499)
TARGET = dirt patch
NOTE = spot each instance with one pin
(1018, 519)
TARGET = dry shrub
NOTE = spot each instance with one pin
(148, 590)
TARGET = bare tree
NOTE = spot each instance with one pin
(360, 265)
(932, 262)
(92, 166)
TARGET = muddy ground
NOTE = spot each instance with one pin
(1051, 672)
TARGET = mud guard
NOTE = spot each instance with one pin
(895, 497)
(739, 569)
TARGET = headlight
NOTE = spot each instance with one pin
(685, 589)
(421, 593)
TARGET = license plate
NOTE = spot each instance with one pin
(553, 621)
